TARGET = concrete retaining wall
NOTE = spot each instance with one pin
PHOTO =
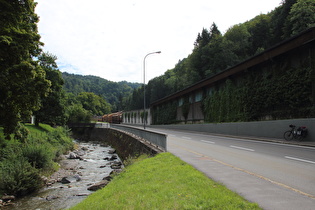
(268, 129)
(125, 144)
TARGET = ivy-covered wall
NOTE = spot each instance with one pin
(282, 89)
(165, 114)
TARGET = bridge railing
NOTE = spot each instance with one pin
(157, 139)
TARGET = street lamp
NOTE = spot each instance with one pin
(144, 85)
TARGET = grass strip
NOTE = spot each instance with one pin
(164, 182)
(38, 129)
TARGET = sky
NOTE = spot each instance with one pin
(110, 38)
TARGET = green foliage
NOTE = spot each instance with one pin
(112, 92)
(40, 156)
(225, 105)
(165, 114)
(76, 113)
(53, 108)
(21, 133)
(22, 80)
(94, 103)
(18, 177)
(276, 95)
(23, 163)
(186, 108)
(302, 16)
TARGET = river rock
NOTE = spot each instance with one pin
(52, 197)
(111, 151)
(72, 155)
(98, 185)
(69, 179)
(113, 157)
(84, 148)
(7, 198)
(116, 165)
(80, 152)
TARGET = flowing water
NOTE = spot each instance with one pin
(92, 168)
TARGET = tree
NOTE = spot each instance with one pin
(52, 110)
(22, 80)
(77, 114)
(199, 59)
(239, 36)
(94, 103)
(302, 16)
(259, 28)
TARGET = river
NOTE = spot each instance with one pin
(91, 168)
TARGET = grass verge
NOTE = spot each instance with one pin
(163, 182)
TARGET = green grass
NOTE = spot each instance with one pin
(38, 129)
(163, 182)
(32, 129)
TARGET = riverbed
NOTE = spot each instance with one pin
(92, 166)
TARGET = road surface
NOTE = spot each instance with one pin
(274, 175)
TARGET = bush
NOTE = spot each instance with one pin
(18, 177)
(38, 155)
(23, 163)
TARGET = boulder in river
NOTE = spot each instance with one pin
(69, 179)
(111, 151)
(116, 165)
(113, 157)
(98, 185)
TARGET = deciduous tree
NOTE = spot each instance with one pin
(52, 110)
(22, 80)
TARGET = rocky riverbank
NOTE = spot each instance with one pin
(81, 172)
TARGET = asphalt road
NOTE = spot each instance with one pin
(274, 175)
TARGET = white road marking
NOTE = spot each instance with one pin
(242, 148)
(298, 159)
(184, 137)
(209, 142)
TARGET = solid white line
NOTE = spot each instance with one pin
(298, 159)
(184, 137)
(209, 142)
(242, 148)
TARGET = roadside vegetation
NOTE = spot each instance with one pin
(23, 162)
(163, 182)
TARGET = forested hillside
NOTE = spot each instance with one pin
(214, 52)
(112, 92)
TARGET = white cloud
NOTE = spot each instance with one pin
(110, 38)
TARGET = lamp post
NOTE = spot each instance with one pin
(144, 119)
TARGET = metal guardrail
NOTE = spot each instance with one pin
(157, 139)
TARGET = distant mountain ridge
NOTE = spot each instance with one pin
(113, 92)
